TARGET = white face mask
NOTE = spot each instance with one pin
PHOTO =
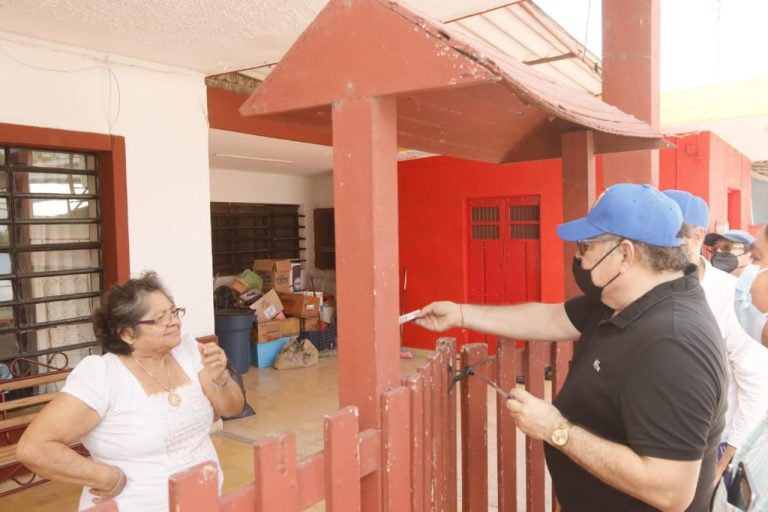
(752, 320)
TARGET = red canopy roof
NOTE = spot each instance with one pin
(455, 95)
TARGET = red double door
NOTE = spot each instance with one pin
(504, 257)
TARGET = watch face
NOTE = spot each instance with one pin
(560, 437)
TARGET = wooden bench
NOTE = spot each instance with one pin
(15, 415)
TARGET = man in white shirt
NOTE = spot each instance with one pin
(731, 251)
(747, 358)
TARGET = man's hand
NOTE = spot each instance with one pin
(440, 316)
(214, 361)
(535, 417)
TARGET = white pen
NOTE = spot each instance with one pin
(409, 316)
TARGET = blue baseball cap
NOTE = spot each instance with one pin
(636, 212)
(735, 235)
(695, 210)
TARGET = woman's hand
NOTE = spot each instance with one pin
(114, 483)
(214, 361)
(440, 316)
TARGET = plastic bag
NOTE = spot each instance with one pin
(296, 354)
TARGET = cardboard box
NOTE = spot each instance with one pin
(298, 304)
(275, 329)
(309, 323)
(267, 307)
(265, 331)
(276, 274)
(291, 326)
(310, 293)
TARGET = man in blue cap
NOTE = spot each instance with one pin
(731, 251)
(747, 358)
(639, 418)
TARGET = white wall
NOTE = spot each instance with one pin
(309, 192)
(161, 112)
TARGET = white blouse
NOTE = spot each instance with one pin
(142, 434)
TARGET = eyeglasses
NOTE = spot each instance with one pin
(583, 245)
(177, 313)
(731, 248)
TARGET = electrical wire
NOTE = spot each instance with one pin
(39, 68)
(114, 90)
(586, 27)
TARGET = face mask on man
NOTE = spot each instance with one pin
(725, 261)
(583, 276)
(752, 320)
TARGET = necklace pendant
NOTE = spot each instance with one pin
(174, 399)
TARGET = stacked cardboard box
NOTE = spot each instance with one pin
(275, 329)
(279, 313)
(270, 323)
(275, 274)
(302, 304)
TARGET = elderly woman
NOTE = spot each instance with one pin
(142, 409)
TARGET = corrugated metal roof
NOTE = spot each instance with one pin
(760, 170)
(524, 32)
(456, 95)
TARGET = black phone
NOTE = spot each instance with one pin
(740, 491)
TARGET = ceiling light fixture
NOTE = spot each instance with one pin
(260, 159)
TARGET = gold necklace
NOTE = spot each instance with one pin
(173, 397)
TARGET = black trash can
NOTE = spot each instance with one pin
(233, 327)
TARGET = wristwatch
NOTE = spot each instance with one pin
(560, 434)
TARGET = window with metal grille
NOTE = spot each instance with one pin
(524, 222)
(485, 223)
(50, 257)
(527, 212)
(243, 232)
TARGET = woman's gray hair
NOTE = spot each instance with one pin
(122, 307)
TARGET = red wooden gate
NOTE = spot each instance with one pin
(415, 450)
(474, 420)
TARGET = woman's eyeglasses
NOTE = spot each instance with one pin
(166, 318)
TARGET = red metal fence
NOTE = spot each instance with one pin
(415, 450)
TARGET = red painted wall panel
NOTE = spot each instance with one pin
(433, 196)
(685, 167)
(706, 166)
(729, 171)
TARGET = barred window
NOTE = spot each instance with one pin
(243, 232)
(485, 222)
(50, 258)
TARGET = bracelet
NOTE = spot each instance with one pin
(222, 384)
(115, 490)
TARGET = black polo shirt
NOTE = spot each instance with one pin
(652, 377)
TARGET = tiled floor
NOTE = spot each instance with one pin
(293, 400)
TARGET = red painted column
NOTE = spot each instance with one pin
(365, 199)
(578, 155)
(631, 42)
